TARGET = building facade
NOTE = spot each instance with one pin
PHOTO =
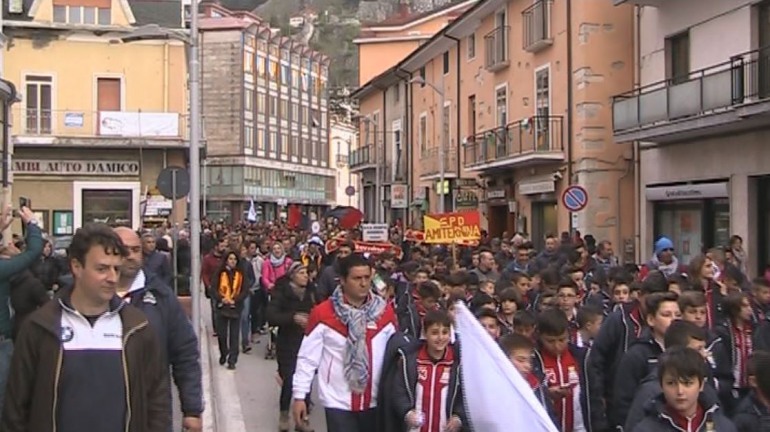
(91, 136)
(510, 98)
(699, 118)
(344, 138)
(265, 116)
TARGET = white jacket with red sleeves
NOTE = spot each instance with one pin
(323, 351)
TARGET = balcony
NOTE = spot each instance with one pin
(342, 160)
(530, 141)
(496, 48)
(728, 98)
(653, 3)
(36, 127)
(537, 26)
(362, 158)
(430, 163)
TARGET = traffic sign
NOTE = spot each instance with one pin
(174, 182)
(350, 191)
(574, 198)
(315, 228)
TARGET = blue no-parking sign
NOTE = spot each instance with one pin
(574, 198)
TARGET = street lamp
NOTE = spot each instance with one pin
(155, 32)
(441, 147)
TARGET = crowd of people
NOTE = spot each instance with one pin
(603, 346)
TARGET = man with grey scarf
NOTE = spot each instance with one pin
(337, 334)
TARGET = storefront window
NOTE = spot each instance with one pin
(108, 206)
(693, 226)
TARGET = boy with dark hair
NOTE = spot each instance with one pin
(619, 330)
(567, 298)
(589, 320)
(753, 413)
(561, 363)
(680, 334)
(415, 392)
(523, 284)
(760, 300)
(660, 311)
(520, 349)
(509, 305)
(678, 283)
(425, 298)
(524, 323)
(482, 301)
(738, 342)
(681, 406)
(488, 320)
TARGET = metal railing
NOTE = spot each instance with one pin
(744, 78)
(496, 48)
(537, 25)
(76, 123)
(539, 134)
(361, 156)
(429, 161)
(342, 159)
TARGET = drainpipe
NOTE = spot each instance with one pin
(380, 152)
(405, 137)
(408, 154)
(570, 94)
(636, 156)
(457, 120)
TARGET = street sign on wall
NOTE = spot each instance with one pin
(574, 198)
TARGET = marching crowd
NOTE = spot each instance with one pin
(89, 339)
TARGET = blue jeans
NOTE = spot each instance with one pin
(246, 321)
(6, 352)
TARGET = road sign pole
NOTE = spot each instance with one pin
(175, 237)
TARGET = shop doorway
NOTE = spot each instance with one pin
(498, 220)
(543, 222)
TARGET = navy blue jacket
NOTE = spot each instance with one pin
(656, 420)
(637, 363)
(177, 338)
(158, 264)
(751, 415)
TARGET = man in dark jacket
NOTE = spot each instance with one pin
(179, 346)
(156, 262)
(9, 268)
(329, 279)
(88, 361)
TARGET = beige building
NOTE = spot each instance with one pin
(344, 137)
(515, 94)
(699, 118)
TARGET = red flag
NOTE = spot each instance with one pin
(294, 217)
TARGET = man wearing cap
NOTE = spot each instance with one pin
(312, 253)
(663, 260)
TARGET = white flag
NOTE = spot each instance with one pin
(252, 216)
(497, 398)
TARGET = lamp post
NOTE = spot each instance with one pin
(155, 32)
(441, 145)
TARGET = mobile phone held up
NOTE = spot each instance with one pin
(25, 202)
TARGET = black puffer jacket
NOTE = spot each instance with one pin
(284, 304)
(27, 294)
(751, 415)
(637, 363)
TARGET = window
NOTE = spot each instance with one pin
(248, 100)
(543, 108)
(248, 137)
(501, 103)
(248, 62)
(260, 139)
(446, 133)
(284, 114)
(396, 92)
(273, 106)
(260, 66)
(472, 46)
(284, 145)
(423, 132)
(261, 103)
(295, 146)
(678, 57)
(295, 112)
(82, 14)
(422, 75)
(446, 62)
(38, 102)
(272, 143)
